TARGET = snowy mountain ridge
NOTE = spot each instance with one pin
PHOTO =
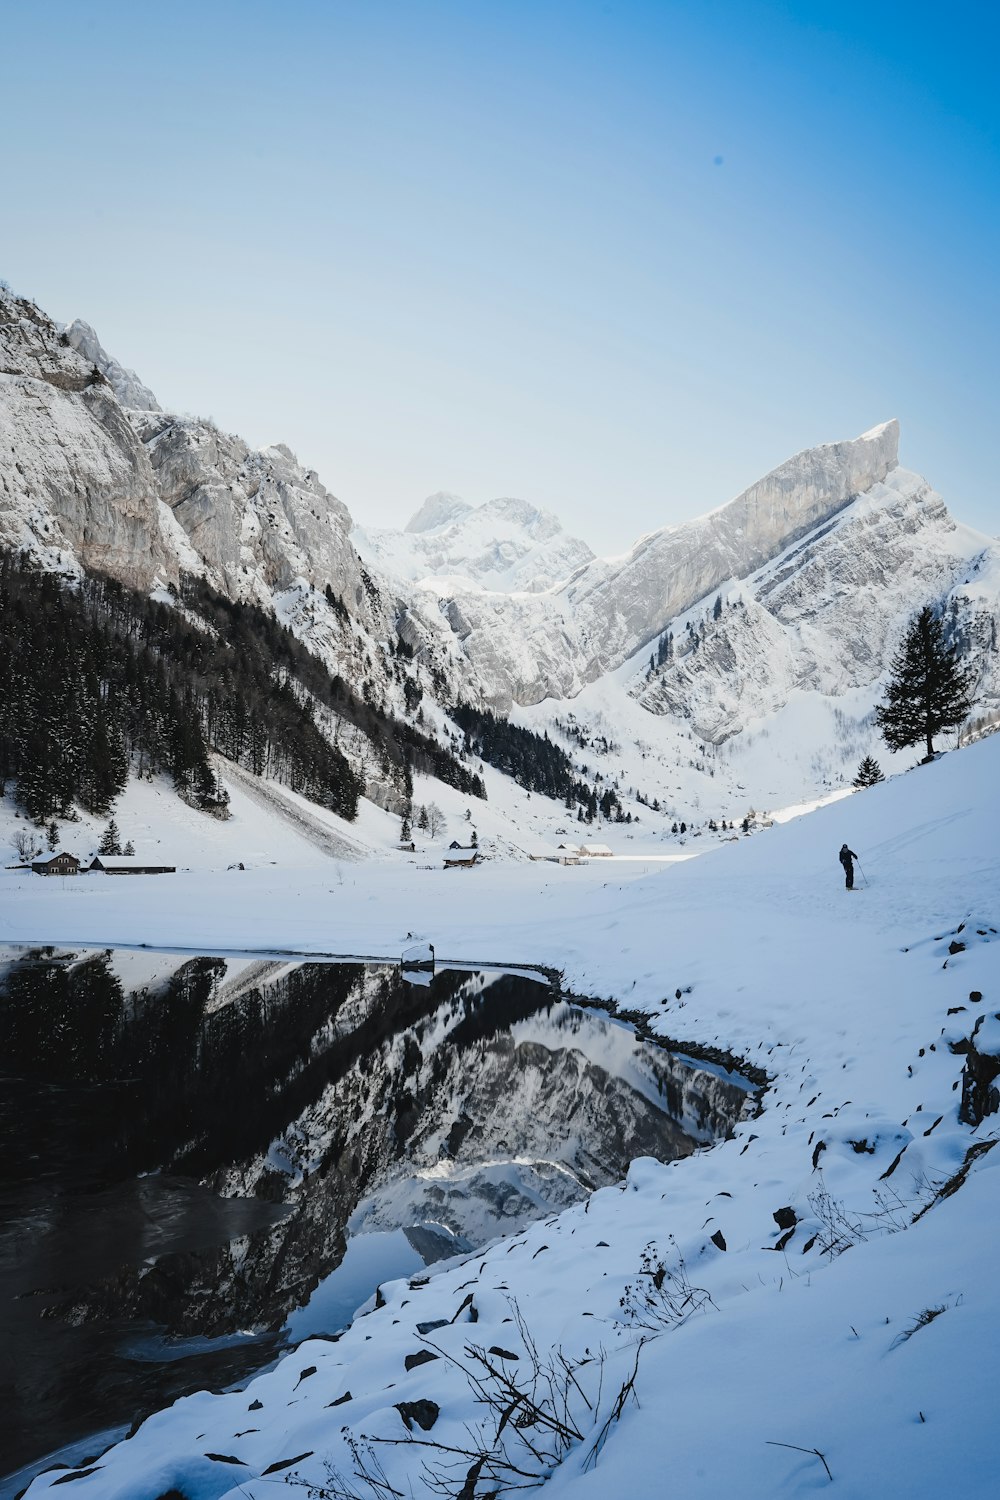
(785, 628)
(817, 568)
(504, 546)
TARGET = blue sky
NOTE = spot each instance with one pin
(615, 258)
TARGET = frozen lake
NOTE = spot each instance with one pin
(207, 1159)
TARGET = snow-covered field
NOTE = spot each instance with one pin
(863, 1353)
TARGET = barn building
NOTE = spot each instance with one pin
(124, 864)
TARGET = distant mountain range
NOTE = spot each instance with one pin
(779, 608)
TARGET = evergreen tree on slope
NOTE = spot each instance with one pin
(869, 773)
(928, 690)
(110, 840)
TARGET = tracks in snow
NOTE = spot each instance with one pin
(270, 796)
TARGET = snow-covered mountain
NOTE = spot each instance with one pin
(893, 543)
(824, 615)
(816, 570)
(505, 546)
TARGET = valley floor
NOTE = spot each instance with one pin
(861, 1353)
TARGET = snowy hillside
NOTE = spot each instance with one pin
(819, 1302)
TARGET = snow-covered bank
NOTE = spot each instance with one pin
(883, 1359)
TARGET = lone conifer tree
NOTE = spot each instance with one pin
(110, 840)
(869, 772)
(928, 690)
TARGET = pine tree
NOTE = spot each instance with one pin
(869, 773)
(405, 832)
(52, 835)
(110, 840)
(928, 690)
(129, 849)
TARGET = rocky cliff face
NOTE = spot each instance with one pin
(76, 485)
(90, 465)
(610, 610)
(824, 617)
(257, 521)
(94, 474)
(819, 564)
(125, 383)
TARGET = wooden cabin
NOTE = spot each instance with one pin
(596, 851)
(59, 864)
(457, 858)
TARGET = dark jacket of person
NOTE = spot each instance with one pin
(846, 856)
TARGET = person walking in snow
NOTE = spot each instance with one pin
(847, 858)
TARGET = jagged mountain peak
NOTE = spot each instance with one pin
(439, 509)
(503, 546)
(818, 563)
(125, 383)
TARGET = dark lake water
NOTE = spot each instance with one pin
(203, 1160)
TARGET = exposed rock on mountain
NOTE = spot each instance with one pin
(76, 485)
(147, 497)
(816, 567)
(257, 521)
(125, 383)
(611, 609)
(93, 474)
(822, 617)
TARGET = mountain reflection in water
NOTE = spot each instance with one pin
(188, 1143)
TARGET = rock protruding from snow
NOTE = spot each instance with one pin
(125, 383)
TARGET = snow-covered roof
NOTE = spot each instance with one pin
(595, 849)
(455, 852)
(130, 862)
